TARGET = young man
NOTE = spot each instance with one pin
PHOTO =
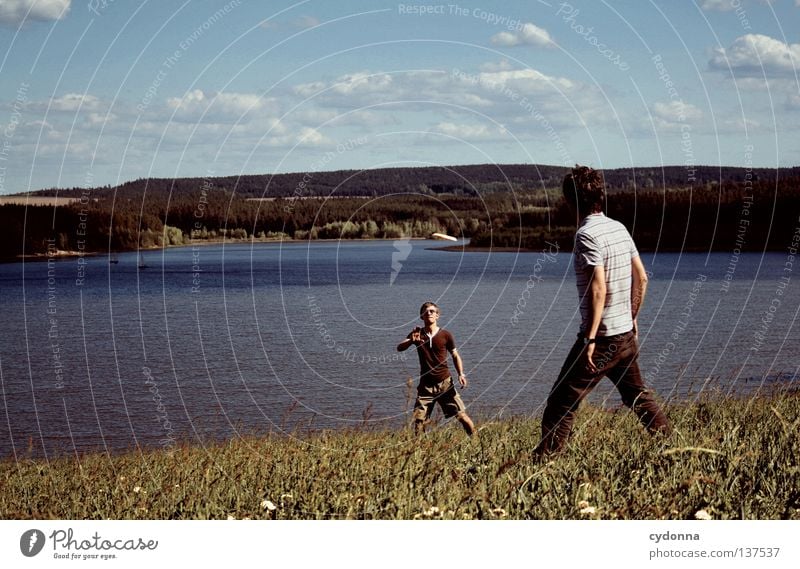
(611, 283)
(435, 384)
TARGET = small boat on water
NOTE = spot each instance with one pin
(113, 259)
(142, 264)
(443, 237)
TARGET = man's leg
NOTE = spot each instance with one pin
(452, 405)
(628, 379)
(423, 407)
(466, 422)
(573, 384)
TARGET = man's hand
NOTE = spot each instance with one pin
(416, 336)
(462, 379)
(589, 358)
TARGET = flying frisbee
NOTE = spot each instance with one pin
(443, 237)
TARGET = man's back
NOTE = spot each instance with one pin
(601, 240)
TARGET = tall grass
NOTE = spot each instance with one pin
(733, 458)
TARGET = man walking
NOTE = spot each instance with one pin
(611, 283)
(435, 384)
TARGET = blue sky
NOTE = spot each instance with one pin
(103, 91)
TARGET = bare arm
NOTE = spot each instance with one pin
(462, 379)
(597, 288)
(638, 289)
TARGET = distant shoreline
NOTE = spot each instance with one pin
(466, 248)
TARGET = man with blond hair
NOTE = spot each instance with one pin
(435, 383)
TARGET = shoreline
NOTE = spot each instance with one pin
(769, 392)
(465, 248)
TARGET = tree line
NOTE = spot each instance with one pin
(753, 212)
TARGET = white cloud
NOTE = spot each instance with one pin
(525, 81)
(530, 34)
(17, 11)
(677, 111)
(464, 131)
(502, 65)
(72, 102)
(222, 107)
(757, 54)
(99, 119)
(717, 5)
(730, 5)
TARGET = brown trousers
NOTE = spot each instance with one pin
(615, 357)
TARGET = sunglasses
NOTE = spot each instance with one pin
(431, 311)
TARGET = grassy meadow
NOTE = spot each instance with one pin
(728, 459)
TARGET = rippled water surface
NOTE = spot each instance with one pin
(214, 341)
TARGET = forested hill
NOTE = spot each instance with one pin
(463, 180)
(518, 206)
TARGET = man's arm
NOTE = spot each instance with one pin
(462, 379)
(597, 288)
(638, 289)
(408, 342)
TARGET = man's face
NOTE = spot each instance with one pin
(430, 315)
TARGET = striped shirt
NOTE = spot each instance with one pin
(601, 241)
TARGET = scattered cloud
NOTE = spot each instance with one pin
(502, 65)
(731, 5)
(757, 54)
(217, 107)
(717, 5)
(677, 112)
(74, 101)
(471, 132)
(18, 11)
(530, 34)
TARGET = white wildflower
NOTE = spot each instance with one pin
(267, 505)
(137, 489)
(702, 515)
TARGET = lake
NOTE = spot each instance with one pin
(217, 341)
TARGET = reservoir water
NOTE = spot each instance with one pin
(213, 342)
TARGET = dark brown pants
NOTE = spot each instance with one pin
(615, 357)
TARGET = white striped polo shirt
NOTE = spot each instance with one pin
(601, 240)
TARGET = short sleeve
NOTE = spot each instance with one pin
(450, 342)
(634, 250)
(587, 251)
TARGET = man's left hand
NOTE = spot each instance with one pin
(589, 361)
(462, 379)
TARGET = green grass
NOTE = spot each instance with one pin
(733, 458)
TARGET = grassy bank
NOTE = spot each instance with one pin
(732, 458)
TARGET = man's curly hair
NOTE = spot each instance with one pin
(584, 189)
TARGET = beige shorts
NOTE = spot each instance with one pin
(444, 394)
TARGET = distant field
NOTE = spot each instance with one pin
(36, 200)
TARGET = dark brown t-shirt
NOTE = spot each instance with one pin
(433, 356)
